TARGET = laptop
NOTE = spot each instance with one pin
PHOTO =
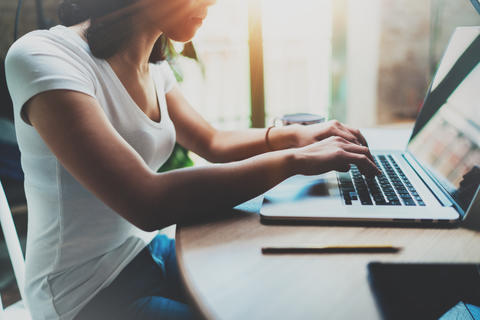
(434, 180)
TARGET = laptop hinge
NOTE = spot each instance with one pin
(471, 219)
(429, 182)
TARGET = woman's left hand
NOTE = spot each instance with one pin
(306, 135)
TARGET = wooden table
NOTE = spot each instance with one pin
(229, 278)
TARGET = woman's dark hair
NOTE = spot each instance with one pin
(110, 25)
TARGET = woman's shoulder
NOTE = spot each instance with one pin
(55, 41)
(44, 60)
(58, 50)
(28, 51)
(160, 66)
(28, 44)
(164, 71)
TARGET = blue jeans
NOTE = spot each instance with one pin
(148, 288)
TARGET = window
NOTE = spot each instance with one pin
(297, 48)
(361, 62)
(296, 54)
(220, 90)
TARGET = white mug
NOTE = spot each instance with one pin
(299, 118)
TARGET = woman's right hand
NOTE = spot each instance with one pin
(334, 153)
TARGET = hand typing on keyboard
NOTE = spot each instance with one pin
(306, 135)
(334, 153)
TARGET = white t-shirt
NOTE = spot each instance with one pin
(76, 245)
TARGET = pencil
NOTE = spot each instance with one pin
(332, 249)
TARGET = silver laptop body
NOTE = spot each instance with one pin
(440, 168)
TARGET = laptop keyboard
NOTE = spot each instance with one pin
(391, 188)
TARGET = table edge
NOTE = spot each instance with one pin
(193, 297)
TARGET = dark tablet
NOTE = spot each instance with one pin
(422, 291)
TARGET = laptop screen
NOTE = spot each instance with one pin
(448, 142)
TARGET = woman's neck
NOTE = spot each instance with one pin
(136, 52)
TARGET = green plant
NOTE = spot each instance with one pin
(178, 159)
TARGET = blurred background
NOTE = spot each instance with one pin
(363, 62)
(367, 63)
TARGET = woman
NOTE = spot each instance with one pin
(95, 118)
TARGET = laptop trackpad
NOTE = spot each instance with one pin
(299, 187)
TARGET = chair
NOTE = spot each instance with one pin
(16, 311)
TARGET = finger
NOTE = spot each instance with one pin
(346, 134)
(364, 164)
(344, 168)
(335, 127)
(359, 149)
(331, 129)
(357, 134)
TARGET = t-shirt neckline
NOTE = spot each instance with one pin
(122, 88)
(79, 40)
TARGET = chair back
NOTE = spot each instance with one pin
(13, 243)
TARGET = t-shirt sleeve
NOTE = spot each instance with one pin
(33, 66)
(167, 75)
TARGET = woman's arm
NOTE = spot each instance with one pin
(75, 128)
(195, 134)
